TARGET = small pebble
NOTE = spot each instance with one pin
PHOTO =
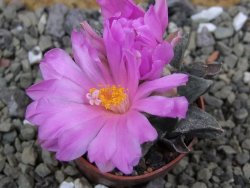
(35, 55)
(239, 21)
(208, 14)
(67, 185)
(246, 77)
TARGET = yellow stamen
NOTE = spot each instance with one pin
(110, 96)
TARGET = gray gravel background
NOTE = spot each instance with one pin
(26, 35)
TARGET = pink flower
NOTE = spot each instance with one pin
(95, 104)
(149, 28)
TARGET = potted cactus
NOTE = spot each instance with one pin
(125, 107)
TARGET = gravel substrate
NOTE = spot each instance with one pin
(26, 35)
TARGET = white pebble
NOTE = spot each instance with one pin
(246, 77)
(35, 55)
(208, 14)
(67, 185)
(172, 27)
(239, 21)
(100, 186)
(211, 27)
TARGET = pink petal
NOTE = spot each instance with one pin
(155, 71)
(165, 83)
(163, 52)
(128, 152)
(153, 22)
(145, 36)
(105, 167)
(123, 149)
(132, 69)
(95, 39)
(140, 127)
(58, 64)
(87, 58)
(73, 143)
(161, 11)
(113, 48)
(40, 111)
(102, 148)
(175, 107)
(162, 55)
(62, 89)
(123, 8)
(146, 62)
(58, 122)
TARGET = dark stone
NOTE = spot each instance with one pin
(28, 132)
(10, 136)
(42, 170)
(5, 39)
(5, 127)
(231, 60)
(227, 149)
(204, 174)
(73, 20)
(159, 183)
(7, 182)
(224, 32)
(180, 10)
(55, 23)
(213, 101)
(242, 158)
(205, 38)
(16, 100)
(241, 114)
(29, 156)
(70, 170)
(25, 181)
(223, 48)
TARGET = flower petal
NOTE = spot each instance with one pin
(153, 22)
(164, 52)
(175, 107)
(87, 58)
(118, 44)
(105, 167)
(62, 89)
(162, 55)
(73, 143)
(123, 8)
(161, 10)
(102, 148)
(96, 40)
(140, 127)
(128, 151)
(41, 111)
(165, 83)
(132, 69)
(58, 64)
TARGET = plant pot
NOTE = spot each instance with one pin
(94, 175)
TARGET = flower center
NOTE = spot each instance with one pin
(112, 98)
